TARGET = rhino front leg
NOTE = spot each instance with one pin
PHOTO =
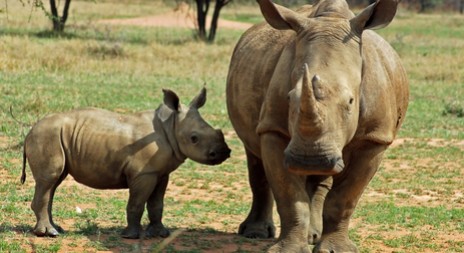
(259, 222)
(140, 189)
(317, 188)
(289, 191)
(343, 198)
(155, 207)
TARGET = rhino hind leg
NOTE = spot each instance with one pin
(341, 201)
(42, 205)
(48, 168)
(259, 223)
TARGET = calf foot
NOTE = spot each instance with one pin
(257, 229)
(157, 230)
(48, 230)
(335, 244)
(131, 232)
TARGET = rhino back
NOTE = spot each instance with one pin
(252, 66)
(384, 91)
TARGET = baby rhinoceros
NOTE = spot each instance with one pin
(107, 150)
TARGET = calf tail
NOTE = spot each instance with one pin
(23, 176)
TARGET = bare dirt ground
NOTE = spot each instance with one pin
(181, 16)
(217, 236)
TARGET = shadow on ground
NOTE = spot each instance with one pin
(181, 240)
(109, 239)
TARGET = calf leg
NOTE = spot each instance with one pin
(343, 198)
(47, 163)
(140, 189)
(259, 222)
(155, 207)
(42, 204)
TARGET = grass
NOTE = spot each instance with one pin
(413, 204)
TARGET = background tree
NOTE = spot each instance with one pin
(59, 22)
(202, 13)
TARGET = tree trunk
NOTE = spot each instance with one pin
(214, 20)
(59, 22)
(202, 11)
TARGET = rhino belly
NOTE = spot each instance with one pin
(100, 159)
(98, 176)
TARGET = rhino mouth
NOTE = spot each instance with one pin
(314, 165)
(218, 156)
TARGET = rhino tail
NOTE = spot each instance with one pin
(23, 176)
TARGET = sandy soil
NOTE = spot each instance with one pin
(182, 16)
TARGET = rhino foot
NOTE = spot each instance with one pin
(49, 231)
(260, 230)
(157, 231)
(314, 236)
(335, 244)
(282, 247)
(131, 233)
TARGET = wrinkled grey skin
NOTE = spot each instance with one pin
(106, 150)
(316, 99)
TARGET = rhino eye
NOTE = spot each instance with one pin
(351, 101)
(194, 139)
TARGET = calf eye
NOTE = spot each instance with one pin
(194, 139)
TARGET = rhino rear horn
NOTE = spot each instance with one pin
(199, 100)
(171, 99)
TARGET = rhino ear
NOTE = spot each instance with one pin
(280, 17)
(199, 100)
(171, 99)
(375, 16)
(163, 113)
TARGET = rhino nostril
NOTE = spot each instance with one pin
(212, 155)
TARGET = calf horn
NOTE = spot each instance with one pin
(309, 119)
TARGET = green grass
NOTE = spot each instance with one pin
(124, 68)
(389, 216)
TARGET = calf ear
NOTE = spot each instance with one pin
(199, 100)
(375, 16)
(171, 100)
(163, 113)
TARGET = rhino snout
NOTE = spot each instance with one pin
(313, 164)
(218, 155)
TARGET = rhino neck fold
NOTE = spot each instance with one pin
(167, 127)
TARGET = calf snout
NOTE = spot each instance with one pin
(218, 155)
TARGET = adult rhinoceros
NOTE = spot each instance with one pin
(316, 98)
